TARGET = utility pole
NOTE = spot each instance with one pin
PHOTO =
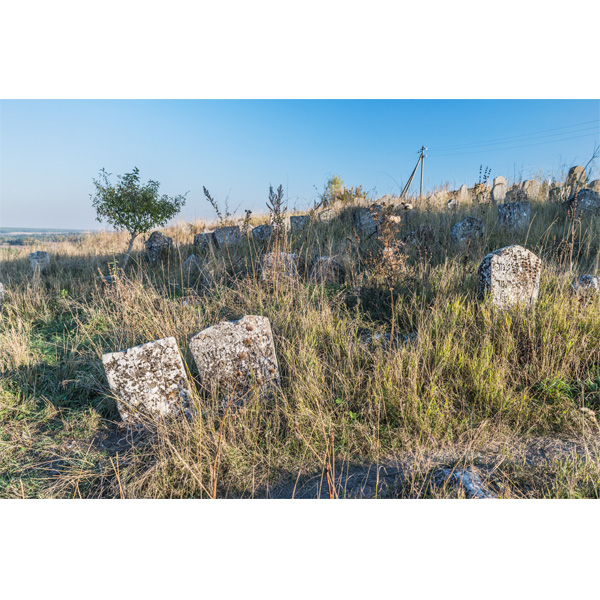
(422, 159)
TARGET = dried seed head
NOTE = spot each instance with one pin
(259, 380)
(242, 355)
(271, 369)
(247, 342)
(250, 327)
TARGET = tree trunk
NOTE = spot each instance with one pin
(133, 236)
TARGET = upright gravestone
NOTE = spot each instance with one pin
(514, 215)
(499, 192)
(556, 193)
(149, 380)
(234, 357)
(499, 180)
(158, 246)
(467, 230)
(577, 175)
(39, 261)
(585, 201)
(278, 263)
(463, 193)
(326, 215)
(297, 223)
(203, 241)
(532, 189)
(325, 269)
(192, 266)
(225, 237)
(366, 220)
(262, 233)
(594, 185)
(509, 276)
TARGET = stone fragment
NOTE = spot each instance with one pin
(366, 220)
(227, 236)
(158, 246)
(326, 215)
(278, 263)
(514, 215)
(594, 185)
(585, 201)
(509, 276)
(297, 223)
(499, 192)
(325, 269)
(39, 261)
(235, 357)
(466, 479)
(203, 241)
(499, 180)
(585, 285)
(262, 233)
(468, 229)
(532, 189)
(148, 380)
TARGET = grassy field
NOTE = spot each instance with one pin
(513, 394)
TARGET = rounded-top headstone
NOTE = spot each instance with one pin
(577, 173)
(499, 192)
(499, 180)
(532, 189)
(594, 185)
(39, 261)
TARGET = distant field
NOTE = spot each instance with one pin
(23, 236)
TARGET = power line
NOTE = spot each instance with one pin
(514, 137)
(521, 146)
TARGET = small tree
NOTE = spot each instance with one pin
(133, 207)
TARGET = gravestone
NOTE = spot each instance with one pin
(262, 233)
(234, 357)
(499, 192)
(556, 193)
(366, 220)
(499, 180)
(532, 189)
(515, 194)
(39, 261)
(297, 223)
(203, 241)
(585, 201)
(585, 285)
(325, 269)
(509, 276)
(227, 236)
(577, 175)
(192, 265)
(514, 215)
(148, 380)
(326, 215)
(463, 193)
(594, 185)
(158, 246)
(468, 229)
(278, 263)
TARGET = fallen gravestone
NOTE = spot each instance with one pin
(39, 261)
(235, 357)
(325, 269)
(203, 241)
(278, 263)
(262, 233)
(465, 479)
(585, 201)
(149, 381)
(499, 192)
(158, 246)
(514, 215)
(585, 285)
(297, 223)
(509, 276)
(467, 230)
(227, 236)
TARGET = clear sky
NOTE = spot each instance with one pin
(51, 150)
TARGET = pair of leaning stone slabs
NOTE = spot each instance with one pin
(232, 357)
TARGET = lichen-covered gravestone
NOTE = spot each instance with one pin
(235, 357)
(203, 241)
(514, 215)
(585, 285)
(39, 261)
(468, 229)
(278, 263)
(149, 380)
(297, 223)
(366, 220)
(585, 201)
(510, 276)
(262, 233)
(325, 269)
(158, 246)
(227, 236)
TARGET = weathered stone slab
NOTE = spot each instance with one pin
(577, 175)
(532, 189)
(192, 265)
(585, 201)
(467, 480)
(594, 185)
(556, 193)
(585, 285)
(366, 220)
(325, 269)
(39, 261)
(235, 357)
(499, 192)
(148, 380)
(509, 276)
(516, 194)
(500, 180)
(278, 263)
(297, 223)
(514, 215)
(468, 229)
(227, 236)
(327, 215)
(158, 246)
(203, 241)
(462, 195)
(262, 233)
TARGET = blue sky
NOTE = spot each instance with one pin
(51, 150)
